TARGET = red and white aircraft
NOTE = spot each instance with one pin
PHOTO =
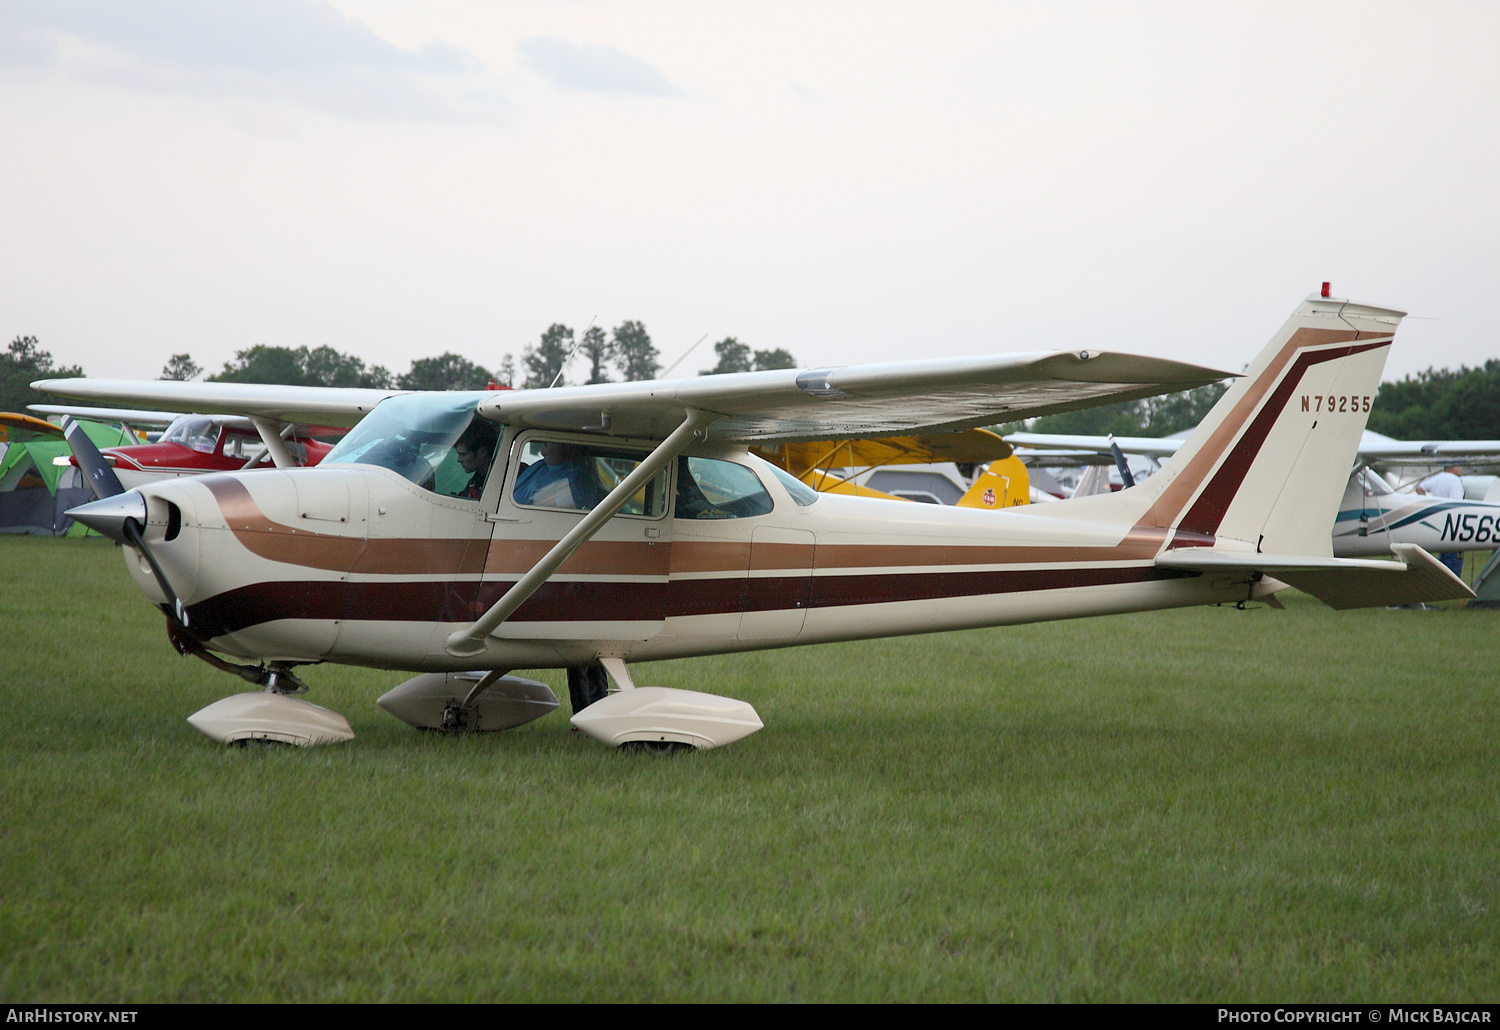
(196, 444)
(628, 522)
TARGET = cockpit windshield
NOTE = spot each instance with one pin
(413, 436)
(194, 431)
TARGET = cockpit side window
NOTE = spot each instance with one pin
(238, 445)
(708, 488)
(243, 447)
(576, 477)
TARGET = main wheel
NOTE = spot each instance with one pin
(660, 748)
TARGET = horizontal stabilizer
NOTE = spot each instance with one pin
(1338, 582)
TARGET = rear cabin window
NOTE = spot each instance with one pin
(708, 488)
(800, 491)
(242, 446)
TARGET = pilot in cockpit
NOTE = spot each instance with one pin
(475, 451)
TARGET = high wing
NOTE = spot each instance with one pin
(309, 405)
(1383, 452)
(14, 420)
(1400, 453)
(132, 416)
(1072, 446)
(1375, 450)
(789, 404)
(854, 401)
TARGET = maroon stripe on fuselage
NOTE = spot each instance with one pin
(239, 609)
(430, 601)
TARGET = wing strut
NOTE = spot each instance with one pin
(271, 434)
(471, 640)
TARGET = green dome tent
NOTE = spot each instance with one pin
(35, 492)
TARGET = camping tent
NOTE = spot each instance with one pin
(34, 492)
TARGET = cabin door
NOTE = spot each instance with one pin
(614, 587)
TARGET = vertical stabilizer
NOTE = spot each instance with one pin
(1269, 463)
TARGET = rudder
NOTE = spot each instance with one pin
(1269, 463)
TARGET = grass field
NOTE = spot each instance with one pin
(1205, 805)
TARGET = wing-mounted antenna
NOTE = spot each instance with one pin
(572, 351)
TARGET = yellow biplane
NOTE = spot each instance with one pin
(840, 466)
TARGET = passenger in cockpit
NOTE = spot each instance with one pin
(564, 478)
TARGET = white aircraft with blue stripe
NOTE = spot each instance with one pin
(1372, 515)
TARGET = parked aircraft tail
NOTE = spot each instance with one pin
(1005, 483)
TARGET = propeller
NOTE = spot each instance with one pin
(118, 513)
(100, 475)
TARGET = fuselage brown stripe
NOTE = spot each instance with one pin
(502, 557)
(616, 602)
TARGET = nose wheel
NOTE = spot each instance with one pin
(270, 715)
(266, 716)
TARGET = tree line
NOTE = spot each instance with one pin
(24, 361)
(625, 352)
(1441, 405)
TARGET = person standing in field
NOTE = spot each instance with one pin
(1446, 484)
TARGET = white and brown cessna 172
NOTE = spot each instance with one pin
(465, 535)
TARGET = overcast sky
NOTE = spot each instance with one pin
(850, 181)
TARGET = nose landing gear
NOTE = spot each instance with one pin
(269, 715)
